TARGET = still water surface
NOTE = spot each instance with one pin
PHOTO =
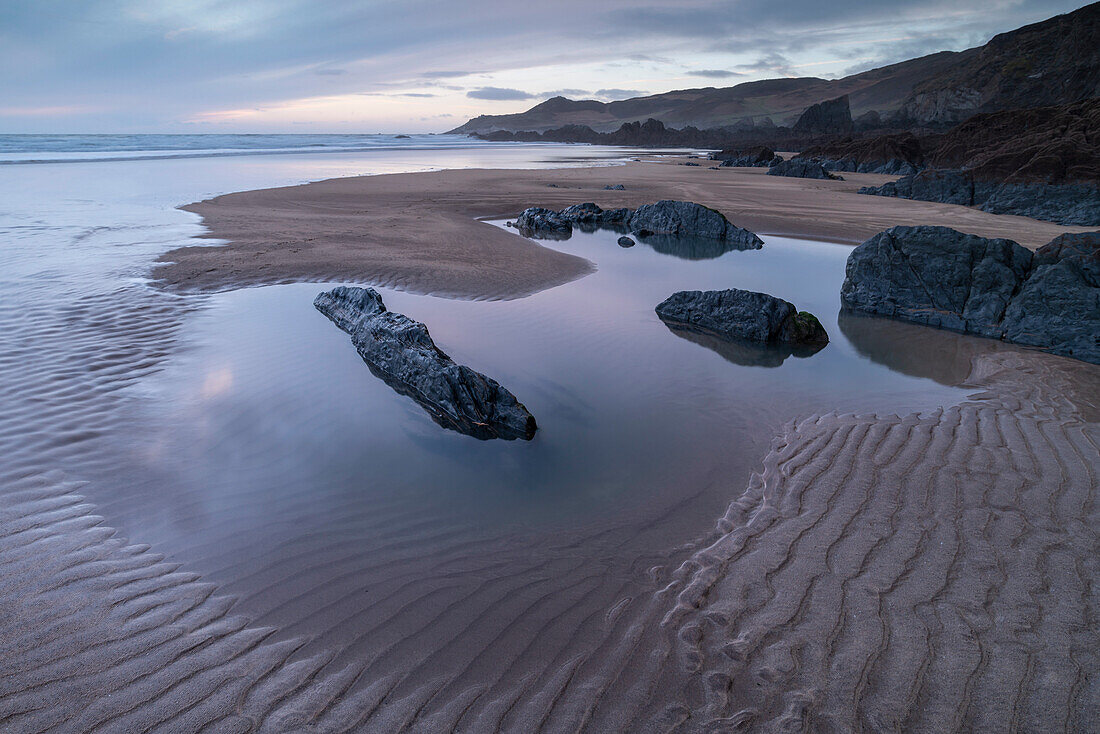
(241, 434)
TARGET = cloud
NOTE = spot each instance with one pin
(447, 74)
(151, 66)
(773, 62)
(620, 93)
(567, 93)
(715, 73)
(499, 94)
(414, 94)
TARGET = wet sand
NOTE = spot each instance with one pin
(928, 572)
(420, 231)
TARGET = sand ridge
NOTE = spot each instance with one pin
(419, 231)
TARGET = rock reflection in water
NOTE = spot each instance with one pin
(914, 349)
(745, 353)
(958, 360)
(692, 248)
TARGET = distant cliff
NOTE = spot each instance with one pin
(1053, 62)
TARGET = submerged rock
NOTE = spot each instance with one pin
(799, 168)
(990, 287)
(742, 315)
(685, 218)
(401, 352)
(625, 241)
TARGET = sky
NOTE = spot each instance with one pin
(317, 66)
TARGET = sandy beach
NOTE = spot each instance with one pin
(420, 231)
(930, 571)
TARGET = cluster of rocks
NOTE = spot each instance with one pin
(401, 352)
(895, 155)
(671, 218)
(800, 168)
(991, 287)
(758, 157)
(1065, 203)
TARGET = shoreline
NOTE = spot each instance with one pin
(424, 232)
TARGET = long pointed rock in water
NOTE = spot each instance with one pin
(401, 352)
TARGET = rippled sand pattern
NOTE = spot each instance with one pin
(927, 573)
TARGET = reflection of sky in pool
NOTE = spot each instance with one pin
(630, 412)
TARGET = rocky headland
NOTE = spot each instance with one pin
(1042, 163)
(990, 287)
(401, 352)
(1052, 62)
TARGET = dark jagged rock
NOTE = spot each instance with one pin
(798, 168)
(616, 187)
(687, 219)
(690, 163)
(1066, 203)
(936, 276)
(544, 224)
(758, 157)
(990, 287)
(1042, 163)
(1058, 307)
(401, 352)
(895, 155)
(832, 117)
(742, 315)
(679, 228)
(625, 241)
(944, 186)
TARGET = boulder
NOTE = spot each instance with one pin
(1058, 307)
(801, 168)
(401, 352)
(684, 218)
(543, 224)
(990, 287)
(625, 241)
(742, 315)
(616, 187)
(936, 276)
